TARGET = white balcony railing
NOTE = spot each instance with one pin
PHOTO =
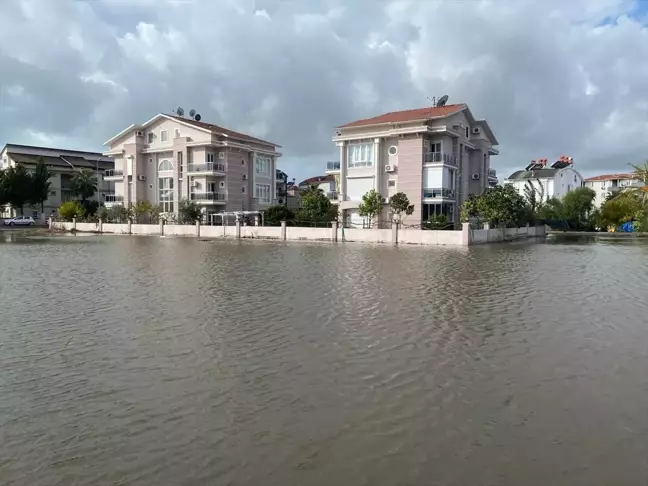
(208, 196)
(438, 193)
(207, 167)
(440, 157)
(113, 173)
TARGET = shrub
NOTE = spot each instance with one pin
(71, 209)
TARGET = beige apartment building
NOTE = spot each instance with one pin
(437, 156)
(62, 165)
(170, 158)
(609, 184)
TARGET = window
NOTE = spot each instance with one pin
(360, 155)
(393, 150)
(164, 135)
(221, 184)
(243, 189)
(150, 160)
(391, 183)
(262, 164)
(603, 185)
(262, 192)
(52, 193)
(165, 165)
(165, 194)
(179, 160)
(209, 158)
(242, 161)
(150, 187)
(467, 132)
(435, 147)
(149, 137)
(211, 187)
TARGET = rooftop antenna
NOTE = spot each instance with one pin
(442, 101)
(179, 111)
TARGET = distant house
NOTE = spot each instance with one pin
(609, 184)
(554, 181)
(62, 165)
(326, 183)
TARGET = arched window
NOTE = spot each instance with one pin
(165, 165)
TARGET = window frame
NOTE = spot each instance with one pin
(260, 188)
(164, 136)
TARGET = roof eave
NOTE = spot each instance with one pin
(350, 125)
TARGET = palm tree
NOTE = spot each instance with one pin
(535, 196)
(84, 184)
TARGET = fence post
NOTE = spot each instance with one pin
(74, 224)
(130, 226)
(49, 222)
(256, 220)
(334, 235)
(487, 228)
(283, 230)
(395, 233)
(161, 227)
(198, 229)
(238, 229)
(100, 226)
(465, 234)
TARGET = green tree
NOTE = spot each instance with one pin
(499, 206)
(71, 209)
(371, 206)
(535, 194)
(551, 210)
(274, 215)
(141, 209)
(437, 222)
(641, 173)
(40, 184)
(622, 209)
(4, 195)
(316, 208)
(84, 184)
(17, 184)
(189, 211)
(103, 214)
(400, 206)
(577, 206)
(119, 214)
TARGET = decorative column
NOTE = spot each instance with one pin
(343, 170)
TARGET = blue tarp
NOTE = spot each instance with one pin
(627, 227)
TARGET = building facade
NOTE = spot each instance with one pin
(62, 165)
(611, 184)
(548, 182)
(437, 156)
(170, 158)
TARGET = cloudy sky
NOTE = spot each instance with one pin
(552, 76)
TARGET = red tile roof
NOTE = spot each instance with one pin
(407, 115)
(609, 177)
(221, 131)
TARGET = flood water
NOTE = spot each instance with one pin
(161, 361)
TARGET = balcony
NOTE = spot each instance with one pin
(110, 199)
(438, 193)
(208, 197)
(333, 167)
(439, 157)
(332, 195)
(492, 173)
(113, 175)
(209, 168)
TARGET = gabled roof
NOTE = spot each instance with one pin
(207, 127)
(317, 180)
(610, 177)
(28, 149)
(421, 114)
(63, 161)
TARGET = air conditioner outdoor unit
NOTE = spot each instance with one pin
(475, 177)
(194, 184)
(221, 155)
(139, 133)
(245, 177)
(141, 177)
(476, 131)
(390, 168)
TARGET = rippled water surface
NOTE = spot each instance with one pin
(149, 361)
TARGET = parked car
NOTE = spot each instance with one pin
(20, 221)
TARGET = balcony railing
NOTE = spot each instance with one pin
(208, 167)
(492, 173)
(333, 165)
(332, 194)
(208, 196)
(113, 173)
(440, 157)
(438, 192)
(114, 198)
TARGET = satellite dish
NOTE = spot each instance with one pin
(442, 101)
(197, 117)
(179, 111)
(192, 112)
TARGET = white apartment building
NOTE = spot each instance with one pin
(609, 184)
(62, 165)
(170, 158)
(554, 181)
(437, 156)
